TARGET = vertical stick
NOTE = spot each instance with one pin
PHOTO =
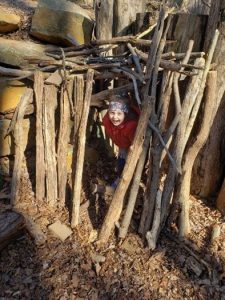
(26, 99)
(64, 132)
(135, 187)
(50, 103)
(40, 162)
(77, 182)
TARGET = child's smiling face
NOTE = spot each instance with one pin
(116, 117)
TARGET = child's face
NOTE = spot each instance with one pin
(116, 117)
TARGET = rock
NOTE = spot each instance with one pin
(8, 22)
(220, 202)
(10, 94)
(15, 52)
(97, 258)
(7, 144)
(130, 246)
(93, 236)
(59, 22)
(60, 230)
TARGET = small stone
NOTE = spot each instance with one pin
(75, 280)
(97, 258)
(60, 230)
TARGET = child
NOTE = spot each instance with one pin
(120, 124)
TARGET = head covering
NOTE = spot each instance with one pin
(113, 105)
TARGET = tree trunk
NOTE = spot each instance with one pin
(125, 15)
(220, 201)
(208, 170)
(196, 6)
(104, 19)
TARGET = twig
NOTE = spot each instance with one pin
(163, 144)
(135, 59)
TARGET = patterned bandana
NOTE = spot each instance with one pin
(118, 106)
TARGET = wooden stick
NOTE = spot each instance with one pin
(26, 99)
(50, 92)
(134, 188)
(135, 59)
(80, 151)
(115, 208)
(40, 154)
(63, 140)
(14, 72)
(152, 235)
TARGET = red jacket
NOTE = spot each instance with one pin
(121, 135)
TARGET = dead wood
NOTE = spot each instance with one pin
(50, 92)
(11, 226)
(40, 154)
(210, 108)
(63, 140)
(14, 72)
(17, 127)
(134, 188)
(115, 208)
(80, 151)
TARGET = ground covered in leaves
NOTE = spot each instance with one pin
(44, 267)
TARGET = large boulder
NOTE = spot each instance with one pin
(60, 22)
(16, 52)
(10, 94)
(8, 22)
(7, 146)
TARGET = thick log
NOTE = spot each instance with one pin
(116, 206)
(40, 151)
(11, 226)
(77, 182)
(210, 157)
(210, 108)
(50, 103)
(104, 18)
(63, 140)
(16, 126)
(125, 14)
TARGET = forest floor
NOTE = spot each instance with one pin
(48, 268)
(44, 267)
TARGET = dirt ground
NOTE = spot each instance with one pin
(77, 269)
